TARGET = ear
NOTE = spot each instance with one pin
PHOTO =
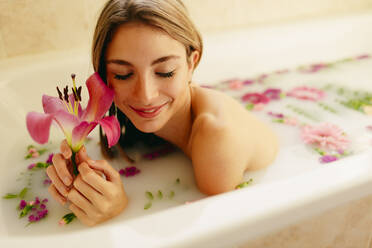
(194, 57)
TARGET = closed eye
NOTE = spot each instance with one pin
(165, 74)
(123, 77)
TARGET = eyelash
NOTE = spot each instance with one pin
(161, 74)
(123, 77)
(165, 75)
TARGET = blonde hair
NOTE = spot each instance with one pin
(170, 16)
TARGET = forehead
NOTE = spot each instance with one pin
(136, 42)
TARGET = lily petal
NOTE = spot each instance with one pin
(111, 127)
(100, 98)
(52, 104)
(66, 122)
(80, 132)
(38, 125)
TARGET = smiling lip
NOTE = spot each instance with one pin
(148, 112)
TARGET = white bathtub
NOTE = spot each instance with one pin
(281, 195)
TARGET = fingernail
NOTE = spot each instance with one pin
(65, 154)
(67, 180)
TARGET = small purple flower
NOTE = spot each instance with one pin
(340, 151)
(31, 218)
(248, 82)
(328, 158)
(161, 152)
(45, 200)
(129, 171)
(276, 115)
(49, 160)
(364, 56)
(41, 214)
(47, 181)
(31, 166)
(37, 200)
(22, 204)
(42, 206)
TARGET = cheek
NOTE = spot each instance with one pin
(120, 95)
(174, 89)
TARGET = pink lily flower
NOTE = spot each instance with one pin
(75, 122)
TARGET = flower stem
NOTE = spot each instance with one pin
(74, 165)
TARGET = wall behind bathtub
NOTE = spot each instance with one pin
(38, 26)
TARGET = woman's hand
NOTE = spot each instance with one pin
(93, 198)
(60, 172)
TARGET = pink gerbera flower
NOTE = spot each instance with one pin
(325, 136)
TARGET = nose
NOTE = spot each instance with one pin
(145, 90)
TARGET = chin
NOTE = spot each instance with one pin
(149, 126)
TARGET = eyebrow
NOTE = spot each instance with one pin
(156, 61)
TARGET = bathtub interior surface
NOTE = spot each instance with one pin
(292, 188)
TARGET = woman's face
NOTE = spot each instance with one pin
(149, 73)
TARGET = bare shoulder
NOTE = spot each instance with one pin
(225, 141)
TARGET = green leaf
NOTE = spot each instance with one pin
(23, 193)
(244, 184)
(25, 211)
(278, 120)
(42, 151)
(149, 195)
(160, 194)
(322, 153)
(171, 194)
(41, 165)
(68, 218)
(249, 106)
(148, 205)
(29, 147)
(28, 156)
(10, 196)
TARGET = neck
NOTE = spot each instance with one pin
(177, 129)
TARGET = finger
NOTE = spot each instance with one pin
(111, 174)
(81, 215)
(60, 165)
(86, 190)
(79, 200)
(65, 149)
(60, 186)
(93, 179)
(56, 195)
(82, 155)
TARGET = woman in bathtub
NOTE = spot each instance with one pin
(146, 51)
